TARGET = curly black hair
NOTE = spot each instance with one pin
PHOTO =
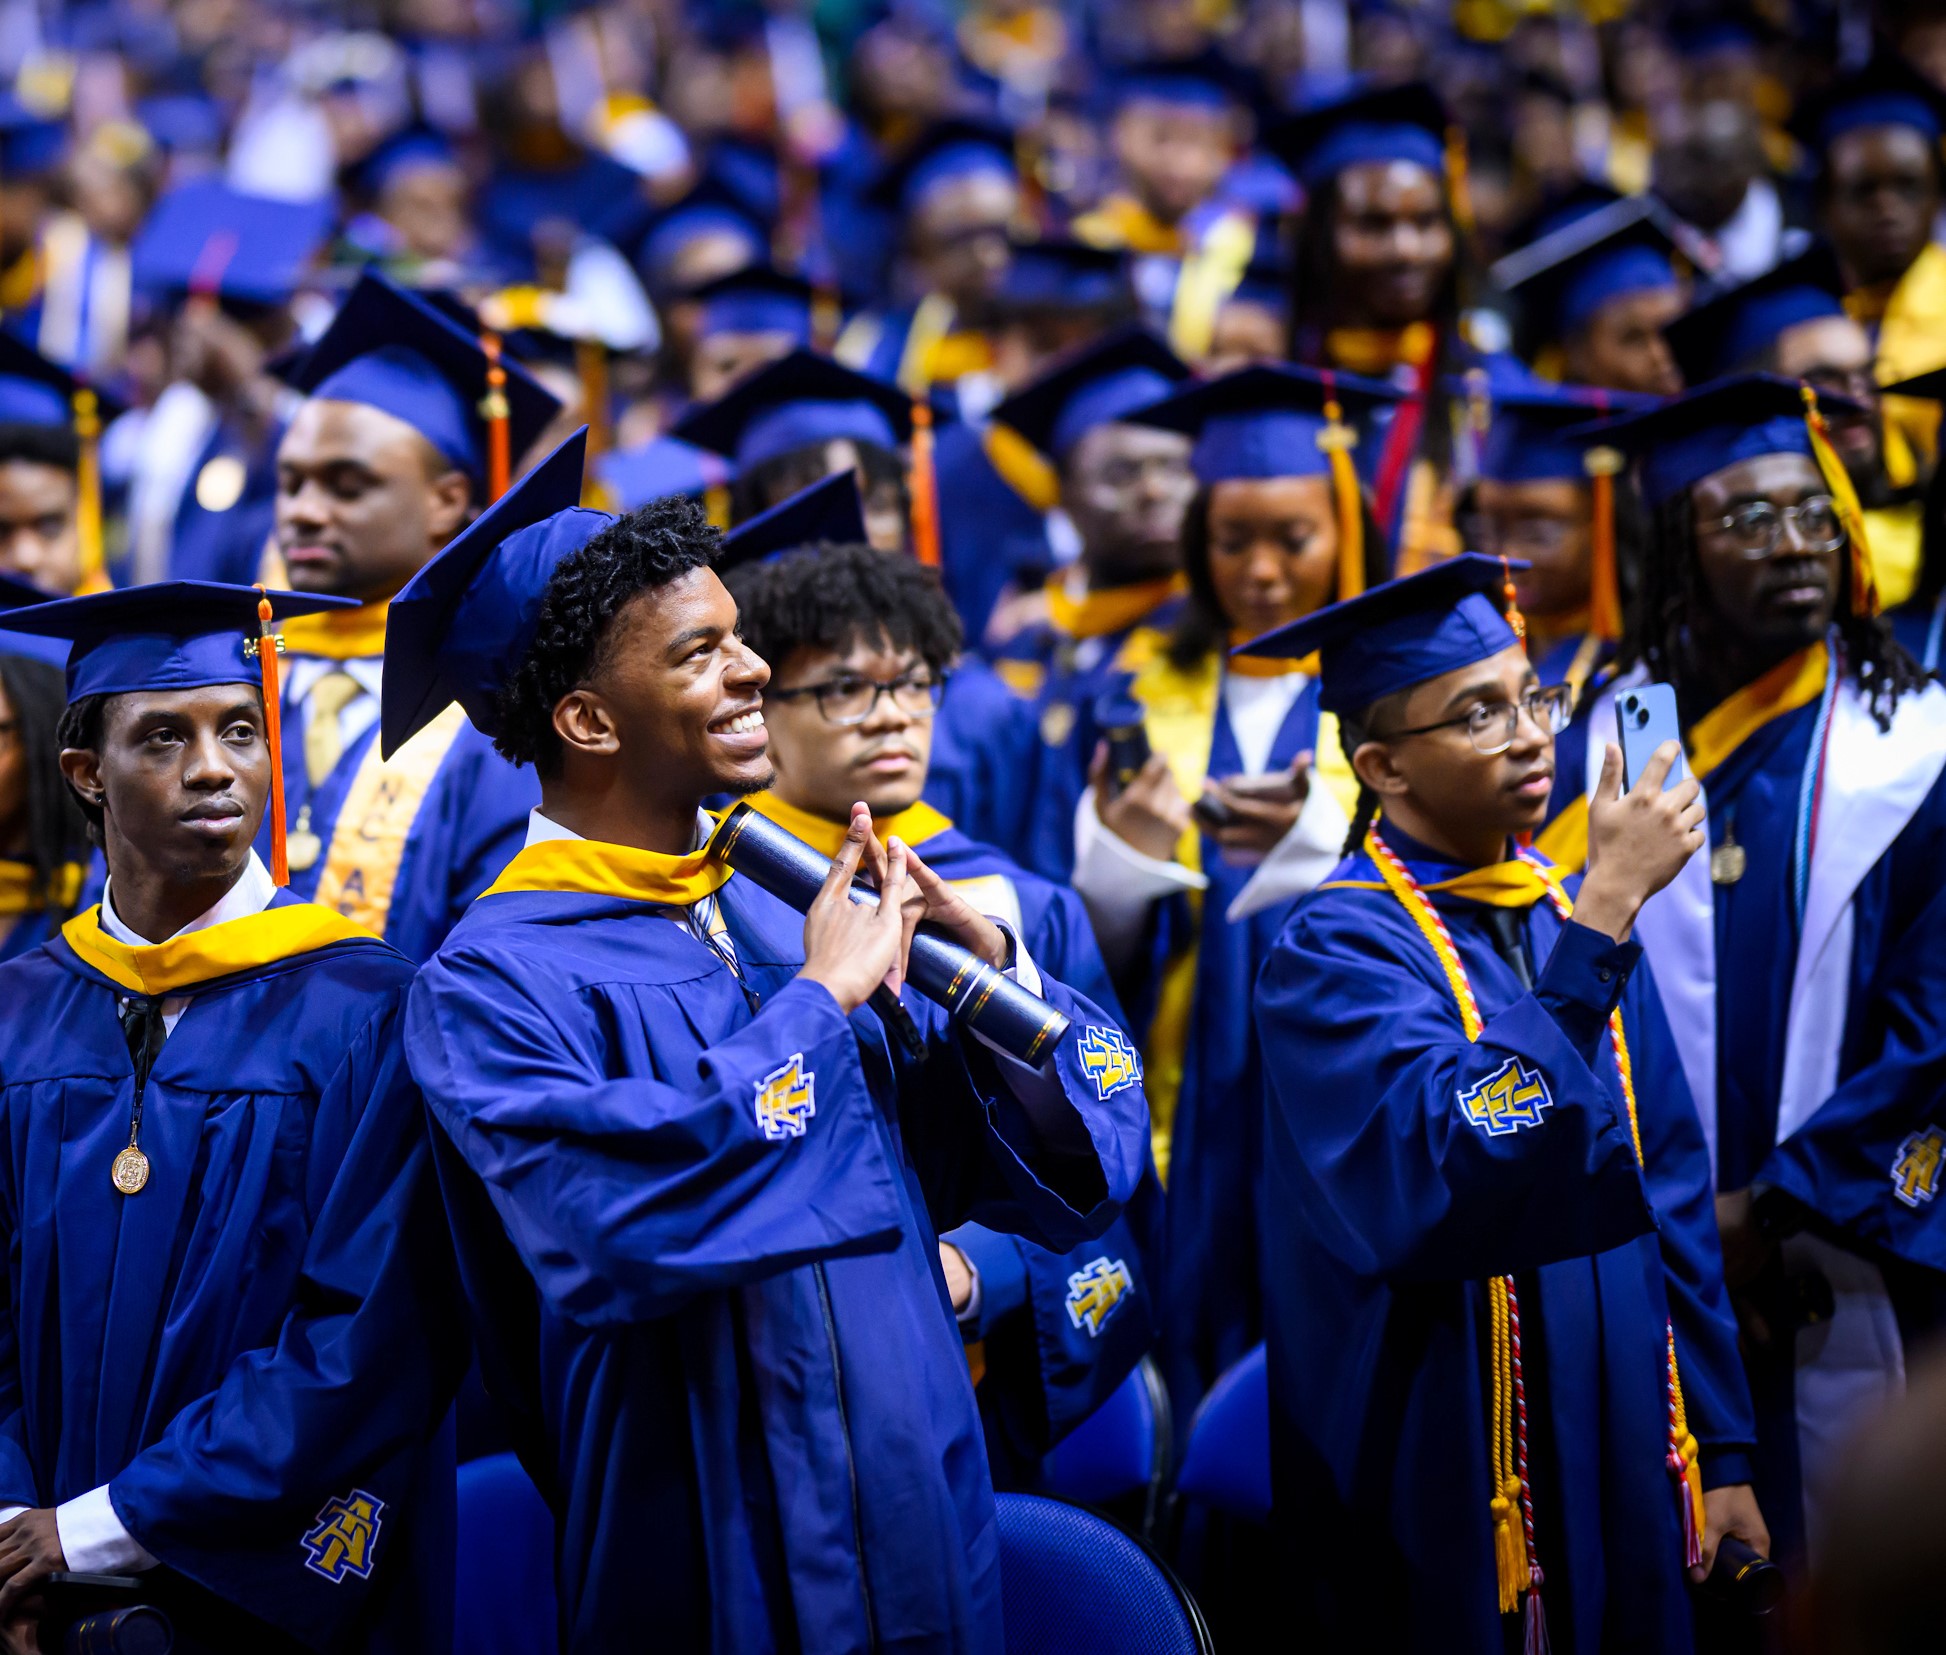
(831, 597)
(49, 445)
(1672, 592)
(644, 550)
(1202, 628)
(57, 830)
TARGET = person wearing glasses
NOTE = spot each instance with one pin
(1505, 1398)
(1801, 960)
(860, 646)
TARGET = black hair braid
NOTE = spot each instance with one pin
(832, 597)
(1672, 592)
(57, 833)
(646, 549)
(1352, 735)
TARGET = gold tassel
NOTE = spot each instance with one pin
(591, 361)
(1458, 188)
(87, 481)
(1509, 1538)
(1864, 585)
(1337, 440)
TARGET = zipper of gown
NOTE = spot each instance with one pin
(851, 1463)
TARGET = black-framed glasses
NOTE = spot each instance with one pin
(849, 699)
(1492, 725)
(1756, 528)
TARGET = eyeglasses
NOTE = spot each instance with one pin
(848, 700)
(1756, 529)
(1492, 725)
(1519, 536)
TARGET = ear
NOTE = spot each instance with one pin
(1374, 766)
(449, 497)
(583, 720)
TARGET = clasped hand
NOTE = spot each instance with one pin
(30, 1551)
(851, 948)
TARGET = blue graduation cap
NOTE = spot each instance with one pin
(795, 402)
(1104, 383)
(31, 139)
(1059, 273)
(660, 467)
(1735, 330)
(1537, 431)
(205, 238)
(465, 620)
(1886, 91)
(393, 351)
(1400, 633)
(947, 150)
(829, 512)
(416, 146)
(756, 299)
(709, 208)
(37, 391)
(1206, 81)
(1391, 123)
(16, 593)
(1563, 278)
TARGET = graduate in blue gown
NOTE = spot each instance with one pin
(1123, 489)
(231, 1332)
(697, 1188)
(1050, 1335)
(1186, 908)
(1803, 963)
(384, 461)
(44, 852)
(1503, 1370)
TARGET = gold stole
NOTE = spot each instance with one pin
(1122, 221)
(361, 867)
(18, 894)
(218, 951)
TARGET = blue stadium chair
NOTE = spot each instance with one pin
(1074, 1584)
(1226, 1463)
(1120, 1450)
(506, 1563)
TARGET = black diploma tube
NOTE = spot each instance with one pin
(776, 860)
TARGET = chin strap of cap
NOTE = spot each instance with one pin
(267, 644)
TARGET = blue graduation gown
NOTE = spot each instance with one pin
(988, 535)
(1055, 1347)
(982, 748)
(1387, 1210)
(264, 1333)
(1920, 624)
(227, 545)
(469, 823)
(731, 1357)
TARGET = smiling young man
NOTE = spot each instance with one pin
(229, 1335)
(1503, 1371)
(696, 1188)
(859, 647)
(382, 464)
(1802, 960)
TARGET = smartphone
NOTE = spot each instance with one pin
(1645, 717)
(1212, 813)
(1121, 720)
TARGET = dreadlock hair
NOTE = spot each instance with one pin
(772, 481)
(1672, 592)
(834, 597)
(1317, 284)
(80, 727)
(1203, 628)
(57, 832)
(644, 550)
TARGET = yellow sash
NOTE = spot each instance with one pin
(338, 634)
(361, 868)
(915, 824)
(1022, 467)
(1514, 884)
(19, 896)
(202, 956)
(591, 867)
(1094, 614)
(1786, 687)
(1375, 352)
(1564, 841)
(1122, 221)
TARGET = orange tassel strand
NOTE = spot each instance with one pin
(268, 643)
(493, 409)
(1605, 593)
(924, 487)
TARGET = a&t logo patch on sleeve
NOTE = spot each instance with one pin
(1108, 1060)
(786, 1100)
(1094, 1291)
(345, 1537)
(1916, 1167)
(1513, 1096)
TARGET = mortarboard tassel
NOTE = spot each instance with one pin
(493, 409)
(591, 363)
(1458, 188)
(1515, 618)
(268, 643)
(1864, 586)
(1604, 584)
(87, 481)
(1337, 440)
(924, 487)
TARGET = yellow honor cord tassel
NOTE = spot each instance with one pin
(1458, 187)
(1337, 440)
(1864, 585)
(87, 482)
(493, 409)
(267, 641)
(924, 487)
(1604, 590)
(1509, 1540)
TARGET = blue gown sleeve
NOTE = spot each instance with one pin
(628, 1194)
(1368, 1063)
(353, 1389)
(1716, 1394)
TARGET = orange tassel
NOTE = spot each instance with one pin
(591, 362)
(493, 409)
(924, 486)
(1337, 440)
(1458, 187)
(1604, 584)
(87, 481)
(267, 642)
(1515, 619)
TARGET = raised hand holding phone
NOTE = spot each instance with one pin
(1638, 840)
